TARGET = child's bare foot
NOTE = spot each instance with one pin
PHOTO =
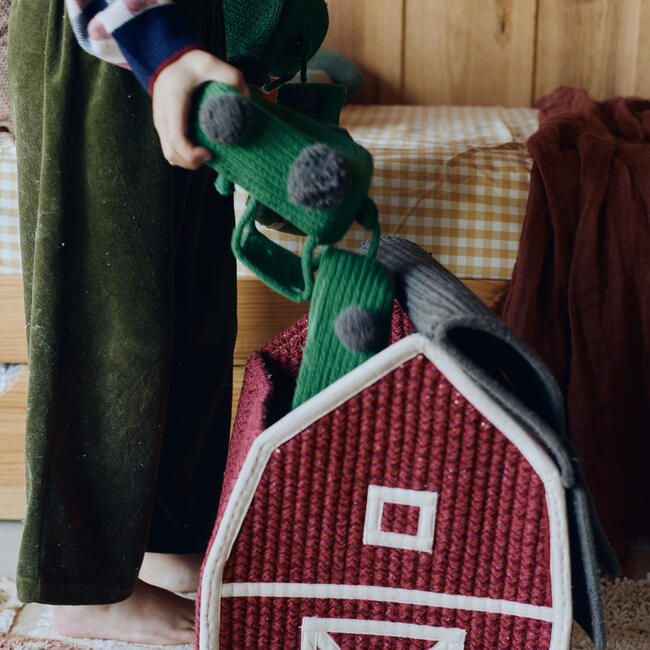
(172, 572)
(150, 616)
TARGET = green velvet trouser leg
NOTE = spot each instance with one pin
(130, 306)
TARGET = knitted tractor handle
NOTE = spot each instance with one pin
(315, 177)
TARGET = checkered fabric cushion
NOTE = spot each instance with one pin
(5, 119)
(452, 179)
(9, 236)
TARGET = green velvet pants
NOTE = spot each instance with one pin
(130, 308)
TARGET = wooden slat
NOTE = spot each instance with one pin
(237, 380)
(261, 315)
(13, 345)
(12, 436)
(491, 292)
(600, 45)
(642, 69)
(370, 33)
(469, 52)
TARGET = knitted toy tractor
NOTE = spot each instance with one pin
(314, 176)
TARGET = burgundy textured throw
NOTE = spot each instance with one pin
(580, 292)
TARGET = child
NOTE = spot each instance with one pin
(130, 310)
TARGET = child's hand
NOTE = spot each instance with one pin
(171, 94)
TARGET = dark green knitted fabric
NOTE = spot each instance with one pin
(274, 139)
(280, 269)
(277, 34)
(345, 280)
(129, 296)
(322, 102)
(262, 162)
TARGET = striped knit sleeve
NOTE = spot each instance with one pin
(143, 35)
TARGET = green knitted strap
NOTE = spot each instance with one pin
(349, 319)
(282, 270)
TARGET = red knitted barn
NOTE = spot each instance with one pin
(405, 506)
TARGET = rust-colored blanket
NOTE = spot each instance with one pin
(580, 292)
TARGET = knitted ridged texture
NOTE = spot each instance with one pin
(451, 314)
(278, 34)
(410, 429)
(5, 111)
(345, 281)
(267, 390)
(261, 165)
(265, 162)
(439, 305)
(322, 102)
(285, 350)
(394, 433)
(490, 631)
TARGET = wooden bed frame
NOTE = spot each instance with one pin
(462, 52)
(12, 401)
(254, 299)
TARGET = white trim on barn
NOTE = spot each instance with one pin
(385, 595)
(315, 632)
(335, 395)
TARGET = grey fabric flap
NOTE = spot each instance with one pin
(443, 309)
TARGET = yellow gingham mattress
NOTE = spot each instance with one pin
(453, 179)
(9, 238)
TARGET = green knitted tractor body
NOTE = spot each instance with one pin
(314, 176)
(322, 102)
(302, 173)
(264, 163)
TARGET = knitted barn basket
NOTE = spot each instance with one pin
(427, 499)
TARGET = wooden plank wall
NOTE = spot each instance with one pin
(485, 52)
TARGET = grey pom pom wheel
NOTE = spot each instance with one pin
(226, 119)
(318, 178)
(359, 329)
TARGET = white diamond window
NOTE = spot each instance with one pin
(426, 501)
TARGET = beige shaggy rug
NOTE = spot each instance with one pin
(29, 627)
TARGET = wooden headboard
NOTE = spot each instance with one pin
(486, 52)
